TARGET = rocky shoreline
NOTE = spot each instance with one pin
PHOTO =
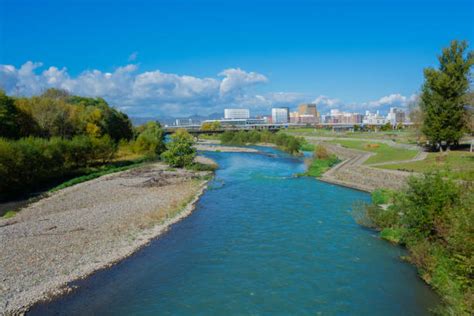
(87, 227)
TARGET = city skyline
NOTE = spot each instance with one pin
(193, 57)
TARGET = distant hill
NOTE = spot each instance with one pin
(170, 120)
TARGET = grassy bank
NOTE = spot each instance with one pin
(434, 219)
(288, 143)
(383, 152)
(318, 166)
(92, 173)
(320, 162)
(453, 164)
(406, 136)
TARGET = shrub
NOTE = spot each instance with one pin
(426, 204)
(434, 218)
(321, 152)
(180, 152)
(27, 163)
(103, 148)
(381, 196)
(151, 140)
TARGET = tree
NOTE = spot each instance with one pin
(470, 112)
(8, 117)
(180, 151)
(211, 126)
(443, 95)
(151, 139)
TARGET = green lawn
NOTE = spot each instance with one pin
(453, 164)
(406, 136)
(383, 152)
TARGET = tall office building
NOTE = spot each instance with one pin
(280, 115)
(308, 109)
(232, 114)
(396, 116)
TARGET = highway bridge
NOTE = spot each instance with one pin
(196, 129)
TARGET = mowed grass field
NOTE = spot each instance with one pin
(383, 152)
(406, 136)
(452, 164)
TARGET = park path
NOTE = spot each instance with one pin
(421, 155)
(352, 172)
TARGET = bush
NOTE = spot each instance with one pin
(382, 196)
(103, 148)
(307, 147)
(319, 166)
(151, 140)
(427, 203)
(434, 218)
(290, 144)
(321, 152)
(180, 152)
(27, 163)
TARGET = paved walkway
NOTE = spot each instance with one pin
(352, 172)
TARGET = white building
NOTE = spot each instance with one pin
(280, 115)
(395, 116)
(237, 122)
(232, 114)
(374, 118)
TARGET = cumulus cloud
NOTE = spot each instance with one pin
(327, 102)
(236, 79)
(392, 99)
(153, 93)
(139, 93)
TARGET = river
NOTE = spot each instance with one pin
(260, 242)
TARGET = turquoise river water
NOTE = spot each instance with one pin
(260, 242)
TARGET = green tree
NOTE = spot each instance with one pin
(211, 126)
(151, 139)
(180, 151)
(443, 95)
(8, 117)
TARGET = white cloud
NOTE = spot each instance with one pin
(141, 93)
(327, 102)
(236, 79)
(395, 99)
(154, 92)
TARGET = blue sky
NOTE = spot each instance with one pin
(187, 57)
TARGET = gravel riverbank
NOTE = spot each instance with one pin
(87, 227)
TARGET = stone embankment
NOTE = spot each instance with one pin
(352, 173)
(87, 227)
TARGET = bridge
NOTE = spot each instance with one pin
(196, 129)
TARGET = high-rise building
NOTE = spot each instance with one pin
(232, 114)
(280, 115)
(339, 117)
(374, 118)
(308, 109)
(396, 116)
(308, 119)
